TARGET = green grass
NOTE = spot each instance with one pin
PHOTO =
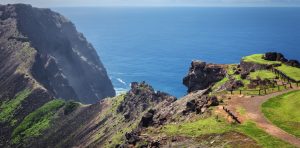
(212, 125)
(201, 127)
(230, 68)
(263, 74)
(70, 106)
(8, 108)
(284, 112)
(257, 58)
(36, 122)
(292, 72)
(265, 140)
(241, 110)
(220, 83)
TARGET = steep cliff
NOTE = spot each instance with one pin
(46, 47)
(202, 75)
(43, 57)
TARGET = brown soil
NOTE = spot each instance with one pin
(253, 112)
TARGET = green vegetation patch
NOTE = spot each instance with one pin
(263, 74)
(292, 72)
(212, 125)
(241, 110)
(8, 108)
(258, 58)
(283, 111)
(201, 127)
(265, 140)
(70, 106)
(36, 122)
(230, 69)
(220, 83)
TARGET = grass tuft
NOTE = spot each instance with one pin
(258, 58)
(8, 108)
(36, 122)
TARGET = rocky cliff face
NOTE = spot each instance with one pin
(202, 75)
(43, 57)
(47, 46)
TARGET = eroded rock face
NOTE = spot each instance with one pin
(53, 52)
(246, 67)
(200, 105)
(139, 99)
(202, 75)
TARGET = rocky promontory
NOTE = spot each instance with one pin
(202, 75)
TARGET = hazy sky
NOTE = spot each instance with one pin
(57, 3)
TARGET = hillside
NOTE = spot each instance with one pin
(43, 57)
(55, 92)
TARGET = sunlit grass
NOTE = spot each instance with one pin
(284, 112)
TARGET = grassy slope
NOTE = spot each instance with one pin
(257, 58)
(203, 126)
(264, 139)
(8, 108)
(212, 125)
(292, 72)
(263, 74)
(36, 122)
(284, 112)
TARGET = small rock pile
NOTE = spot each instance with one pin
(200, 105)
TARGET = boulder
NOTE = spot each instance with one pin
(132, 138)
(147, 119)
(244, 74)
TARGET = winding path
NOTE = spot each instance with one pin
(253, 112)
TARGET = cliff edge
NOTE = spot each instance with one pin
(44, 48)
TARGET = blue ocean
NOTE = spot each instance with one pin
(157, 45)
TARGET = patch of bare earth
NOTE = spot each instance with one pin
(252, 107)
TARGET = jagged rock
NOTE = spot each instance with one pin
(233, 84)
(200, 105)
(154, 144)
(293, 63)
(132, 138)
(274, 56)
(260, 82)
(139, 99)
(202, 75)
(244, 74)
(147, 119)
(250, 66)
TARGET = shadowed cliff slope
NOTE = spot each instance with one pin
(47, 45)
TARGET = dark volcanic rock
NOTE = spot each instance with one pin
(139, 99)
(200, 105)
(244, 74)
(202, 75)
(147, 119)
(293, 63)
(274, 56)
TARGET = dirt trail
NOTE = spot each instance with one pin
(253, 112)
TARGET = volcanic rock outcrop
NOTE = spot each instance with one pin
(202, 75)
